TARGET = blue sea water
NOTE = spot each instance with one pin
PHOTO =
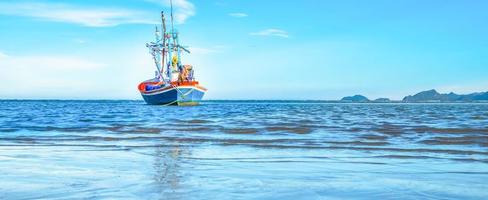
(242, 150)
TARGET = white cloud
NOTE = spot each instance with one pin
(79, 41)
(272, 32)
(182, 9)
(238, 15)
(92, 17)
(58, 63)
(47, 76)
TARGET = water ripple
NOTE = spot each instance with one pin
(77, 149)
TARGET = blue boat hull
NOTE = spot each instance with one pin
(174, 96)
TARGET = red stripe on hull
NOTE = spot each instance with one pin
(142, 86)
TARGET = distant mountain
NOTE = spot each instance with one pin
(424, 96)
(355, 98)
(434, 96)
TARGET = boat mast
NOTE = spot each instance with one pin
(163, 51)
(173, 46)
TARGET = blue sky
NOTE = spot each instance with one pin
(246, 49)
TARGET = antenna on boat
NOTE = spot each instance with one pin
(175, 46)
(173, 33)
(154, 49)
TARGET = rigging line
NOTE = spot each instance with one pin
(183, 95)
(175, 87)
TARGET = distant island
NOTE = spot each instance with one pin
(429, 96)
(356, 98)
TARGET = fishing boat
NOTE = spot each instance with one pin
(174, 83)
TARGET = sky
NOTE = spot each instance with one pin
(246, 49)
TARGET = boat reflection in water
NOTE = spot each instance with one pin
(167, 170)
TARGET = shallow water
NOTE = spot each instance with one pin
(242, 150)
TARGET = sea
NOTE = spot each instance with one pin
(60, 149)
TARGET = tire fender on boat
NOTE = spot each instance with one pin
(142, 87)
